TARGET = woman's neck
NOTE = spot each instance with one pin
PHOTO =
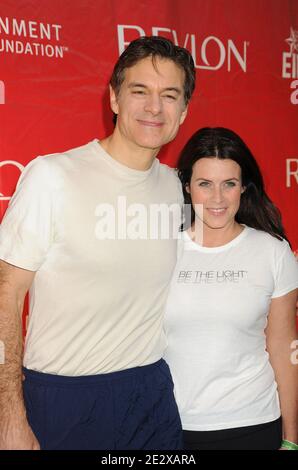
(212, 237)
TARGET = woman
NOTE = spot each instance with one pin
(230, 319)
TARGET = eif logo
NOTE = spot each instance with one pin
(2, 92)
(290, 59)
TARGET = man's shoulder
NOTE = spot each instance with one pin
(51, 168)
(71, 155)
(169, 171)
(171, 181)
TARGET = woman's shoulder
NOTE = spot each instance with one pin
(264, 240)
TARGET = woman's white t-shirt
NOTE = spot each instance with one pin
(215, 320)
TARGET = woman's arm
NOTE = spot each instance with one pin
(281, 334)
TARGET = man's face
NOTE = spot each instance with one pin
(150, 104)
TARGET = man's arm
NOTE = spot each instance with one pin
(15, 432)
(280, 335)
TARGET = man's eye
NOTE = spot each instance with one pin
(138, 92)
(171, 97)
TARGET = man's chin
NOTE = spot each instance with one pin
(149, 145)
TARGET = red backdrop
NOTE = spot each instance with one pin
(56, 59)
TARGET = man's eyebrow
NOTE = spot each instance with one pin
(134, 84)
(141, 85)
(173, 88)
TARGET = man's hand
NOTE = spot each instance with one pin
(16, 434)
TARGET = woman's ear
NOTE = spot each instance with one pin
(243, 189)
(187, 189)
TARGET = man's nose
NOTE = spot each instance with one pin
(153, 104)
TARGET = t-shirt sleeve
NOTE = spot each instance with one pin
(26, 231)
(286, 275)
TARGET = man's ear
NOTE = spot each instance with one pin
(113, 100)
(183, 115)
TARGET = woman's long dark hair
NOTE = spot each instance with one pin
(256, 209)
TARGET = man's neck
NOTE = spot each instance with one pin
(128, 153)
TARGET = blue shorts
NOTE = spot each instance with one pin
(127, 410)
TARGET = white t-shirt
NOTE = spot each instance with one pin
(215, 319)
(96, 306)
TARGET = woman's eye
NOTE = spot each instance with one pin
(204, 183)
(230, 184)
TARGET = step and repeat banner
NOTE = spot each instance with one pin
(56, 58)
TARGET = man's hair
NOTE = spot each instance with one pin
(155, 46)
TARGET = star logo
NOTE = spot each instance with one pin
(293, 41)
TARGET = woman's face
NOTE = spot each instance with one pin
(216, 184)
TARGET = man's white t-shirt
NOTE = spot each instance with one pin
(96, 305)
(215, 320)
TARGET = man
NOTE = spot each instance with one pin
(94, 377)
